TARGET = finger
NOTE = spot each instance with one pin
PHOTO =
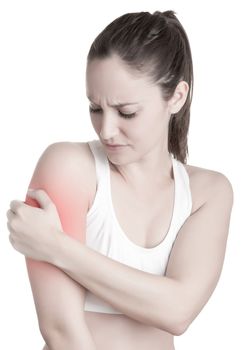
(41, 197)
(10, 239)
(10, 214)
(15, 204)
(9, 228)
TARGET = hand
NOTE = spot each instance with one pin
(34, 231)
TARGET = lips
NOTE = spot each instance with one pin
(115, 148)
(113, 145)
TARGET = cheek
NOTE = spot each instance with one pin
(147, 125)
(156, 121)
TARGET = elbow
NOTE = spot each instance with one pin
(177, 325)
(180, 328)
(176, 329)
(179, 312)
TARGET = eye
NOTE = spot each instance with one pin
(92, 110)
(124, 115)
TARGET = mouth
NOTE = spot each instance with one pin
(114, 147)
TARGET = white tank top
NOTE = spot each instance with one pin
(104, 234)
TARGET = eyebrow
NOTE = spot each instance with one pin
(118, 104)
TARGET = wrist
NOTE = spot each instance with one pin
(56, 251)
(63, 249)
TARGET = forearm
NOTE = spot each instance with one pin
(145, 297)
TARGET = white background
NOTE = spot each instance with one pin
(42, 67)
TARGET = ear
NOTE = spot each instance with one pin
(178, 99)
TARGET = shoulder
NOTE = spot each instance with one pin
(64, 165)
(69, 155)
(63, 148)
(206, 183)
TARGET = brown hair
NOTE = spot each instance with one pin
(156, 45)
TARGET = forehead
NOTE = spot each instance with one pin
(111, 76)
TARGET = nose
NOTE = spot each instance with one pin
(109, 128)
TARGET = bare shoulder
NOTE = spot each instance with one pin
(71, 160)
(80, 155)
(75, 153)
(67, 156)
(206, 183)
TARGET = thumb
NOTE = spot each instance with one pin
(40, 196)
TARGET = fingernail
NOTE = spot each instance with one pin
(30, 190)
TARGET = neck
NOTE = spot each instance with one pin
(144, 174)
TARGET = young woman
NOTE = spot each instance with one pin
(128, 241)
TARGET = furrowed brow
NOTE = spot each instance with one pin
(118, 104)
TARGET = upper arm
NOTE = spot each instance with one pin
(59, 300)
(198, 253)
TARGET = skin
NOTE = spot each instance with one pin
(60, 202)
(176, 296)
(146, 158)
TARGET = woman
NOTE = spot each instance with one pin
(127, 243)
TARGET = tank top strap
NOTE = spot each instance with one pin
(101, 164)
(183, 189)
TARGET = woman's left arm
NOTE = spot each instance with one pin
(168, 302)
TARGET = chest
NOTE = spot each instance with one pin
(144, 216)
